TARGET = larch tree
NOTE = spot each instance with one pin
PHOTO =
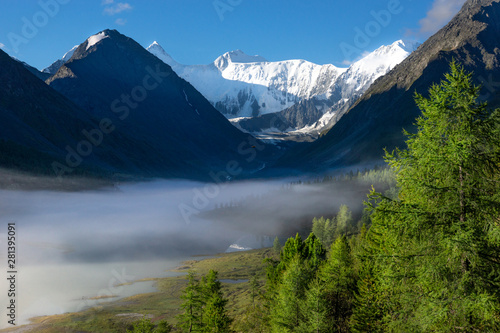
(214, 314)
(436, 249)
(191, 319)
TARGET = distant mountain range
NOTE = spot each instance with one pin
(239, 85)
(311, 116)
(250, 91)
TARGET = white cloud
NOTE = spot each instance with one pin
(442, 12)
(2, 45)
(121, 21)
(114, 9)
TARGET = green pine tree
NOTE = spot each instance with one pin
(324, 229)
(142, 326)
(292, 248)
(368, 314)
(256, 316)
(313, 252)
(288, 281)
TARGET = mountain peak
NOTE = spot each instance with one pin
(383, 59)
(173, 126)
(406, 45)
(156, 46)
(54, 67)
(156, 49)
(104, 34)
(236, 56)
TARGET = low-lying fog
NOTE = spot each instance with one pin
(78, 245)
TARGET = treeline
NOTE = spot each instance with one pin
(426, 257)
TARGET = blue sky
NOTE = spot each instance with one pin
(198, 31)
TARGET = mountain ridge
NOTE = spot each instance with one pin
(244, 86)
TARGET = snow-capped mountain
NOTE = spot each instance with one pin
(361, 74)
(240, 85)
(54, 67)
(322, 111)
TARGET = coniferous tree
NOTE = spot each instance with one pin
(145, 325)
(318, 228)
(324, 229)
(367, 316)
(256, 316)
(163, 327)
(339, 280)
(330, 229)
(435, 250)
(313, 252)
(288, 281)
(214, 314)
(292, 248)
(142, 326)
(286, 313)
(315, 309)
(344, 220)
(191, 319)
